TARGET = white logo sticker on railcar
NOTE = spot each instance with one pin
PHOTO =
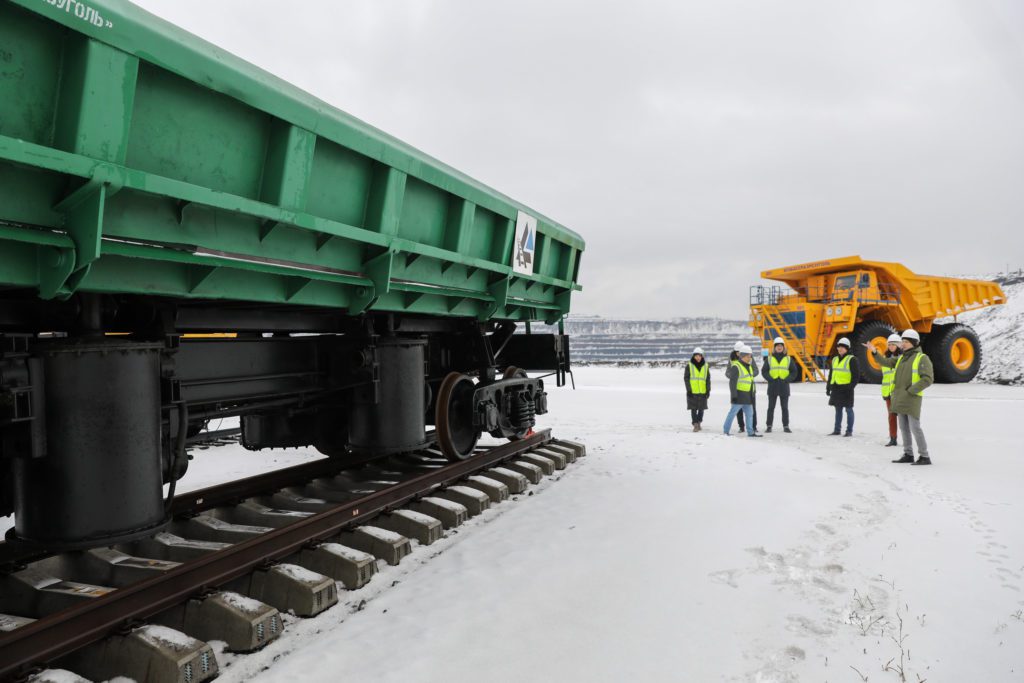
(525, 244)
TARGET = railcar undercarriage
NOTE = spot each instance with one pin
(99, 393)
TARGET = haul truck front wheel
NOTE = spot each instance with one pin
(874, 332)
(955, 352)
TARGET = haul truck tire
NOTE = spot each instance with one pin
(955, 352)
(876, 333)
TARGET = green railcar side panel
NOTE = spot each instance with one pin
(161, 164)
(340, 184)
(424, 213)
(183, 131)
(31, 50)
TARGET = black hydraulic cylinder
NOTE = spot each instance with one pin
(100, 479)
(394, 422)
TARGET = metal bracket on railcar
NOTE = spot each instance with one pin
(539, 353)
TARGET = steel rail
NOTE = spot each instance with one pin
(65, 631)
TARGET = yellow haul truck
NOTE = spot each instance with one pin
(867, 301)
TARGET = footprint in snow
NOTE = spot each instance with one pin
(794, 652)
(804, 626)
(725, 576)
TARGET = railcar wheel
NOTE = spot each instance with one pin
(512, 372)
(456, 433)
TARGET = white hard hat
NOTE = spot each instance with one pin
(745, 349)
(894, 339)
(779, 340)
(843, 342)
(737, 346)
(698, 350)
(911, 334)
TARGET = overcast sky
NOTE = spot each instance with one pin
(692, 144)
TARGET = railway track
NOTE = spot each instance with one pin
(238, 555)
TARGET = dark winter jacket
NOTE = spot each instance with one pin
(779, 387)
(841, 395)
(905, 400)
(738, 398)
(696, 401)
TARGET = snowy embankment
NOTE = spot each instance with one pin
(672, 556)
(1001, 329)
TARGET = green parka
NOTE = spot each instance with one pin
(905, 400)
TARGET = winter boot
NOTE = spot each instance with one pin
(848, 434)
(756, 435)
(768, 429)
(907, 457)
(699, 428)
(923, 460)
(836, 433)
(695, 427)
(892, 442)
(787, 430)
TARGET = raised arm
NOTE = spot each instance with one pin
(880, 357)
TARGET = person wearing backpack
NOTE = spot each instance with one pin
(741, 375)
(843, 375)
(778, 369)
(888, 379)
(914, 374)
(698, 387)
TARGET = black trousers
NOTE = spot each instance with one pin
(697, 416)
(739, 415)
(784, 401)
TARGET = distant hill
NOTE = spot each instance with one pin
(616, 341)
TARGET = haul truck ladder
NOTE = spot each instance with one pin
(796, 347)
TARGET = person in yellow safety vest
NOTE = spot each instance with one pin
(914, 374)
(698, 387)
(779, 369)
(888, 379)
(741, 374)
(843, 376)
(735, 355)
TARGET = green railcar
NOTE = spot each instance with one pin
(154, 189)
(137, 158)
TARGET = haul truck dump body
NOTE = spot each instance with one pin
(185, 237)
(867, 301)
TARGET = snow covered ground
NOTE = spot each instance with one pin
(672, 556)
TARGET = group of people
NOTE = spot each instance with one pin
(906, 373)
